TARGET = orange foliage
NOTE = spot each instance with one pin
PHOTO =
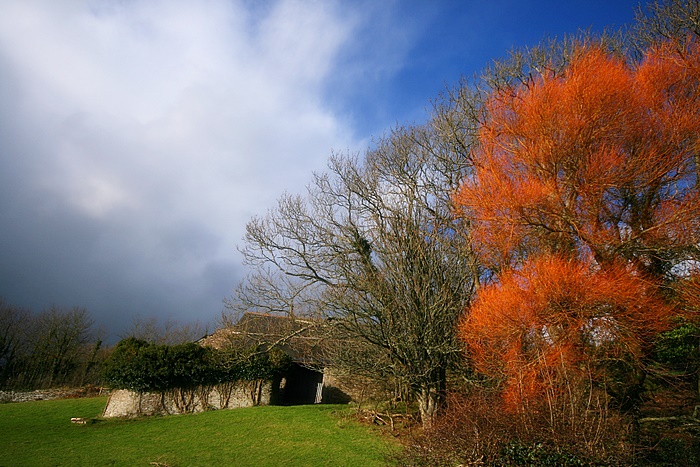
(585, 187)
(599, 163)
(556, 316)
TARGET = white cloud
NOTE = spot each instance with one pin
(164, 125)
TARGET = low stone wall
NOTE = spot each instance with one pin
(125, 403)
(47, 394)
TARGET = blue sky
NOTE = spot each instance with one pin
(444, 40)
(137, 138)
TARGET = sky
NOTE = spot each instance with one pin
(137, 138)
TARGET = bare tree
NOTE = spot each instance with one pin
(12, 322)
(375, 250)
(55, 344)
(155, 330)
(664, 20)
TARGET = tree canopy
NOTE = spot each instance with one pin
(584, 200)
(598, 163)
(375, 251)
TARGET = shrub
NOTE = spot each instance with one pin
(477, 430)
(143, 367)
(680, 347)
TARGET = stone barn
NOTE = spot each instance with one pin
(309, 380)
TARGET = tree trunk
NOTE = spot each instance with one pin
(429, 401)
(431, 397)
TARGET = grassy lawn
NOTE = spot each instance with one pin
(40, 433)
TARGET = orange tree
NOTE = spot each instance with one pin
(584, 198)
(545, 325)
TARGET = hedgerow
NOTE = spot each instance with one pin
(145, 367)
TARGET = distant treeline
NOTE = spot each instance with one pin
(64, 347)
(56, 347)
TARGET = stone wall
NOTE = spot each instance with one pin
(125, 403)
(47, 394)
(336, 388)
(341, 387)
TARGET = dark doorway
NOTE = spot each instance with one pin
(300, 386)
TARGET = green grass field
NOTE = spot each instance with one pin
(40, 434)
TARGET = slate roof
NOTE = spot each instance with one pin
(300, 338)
